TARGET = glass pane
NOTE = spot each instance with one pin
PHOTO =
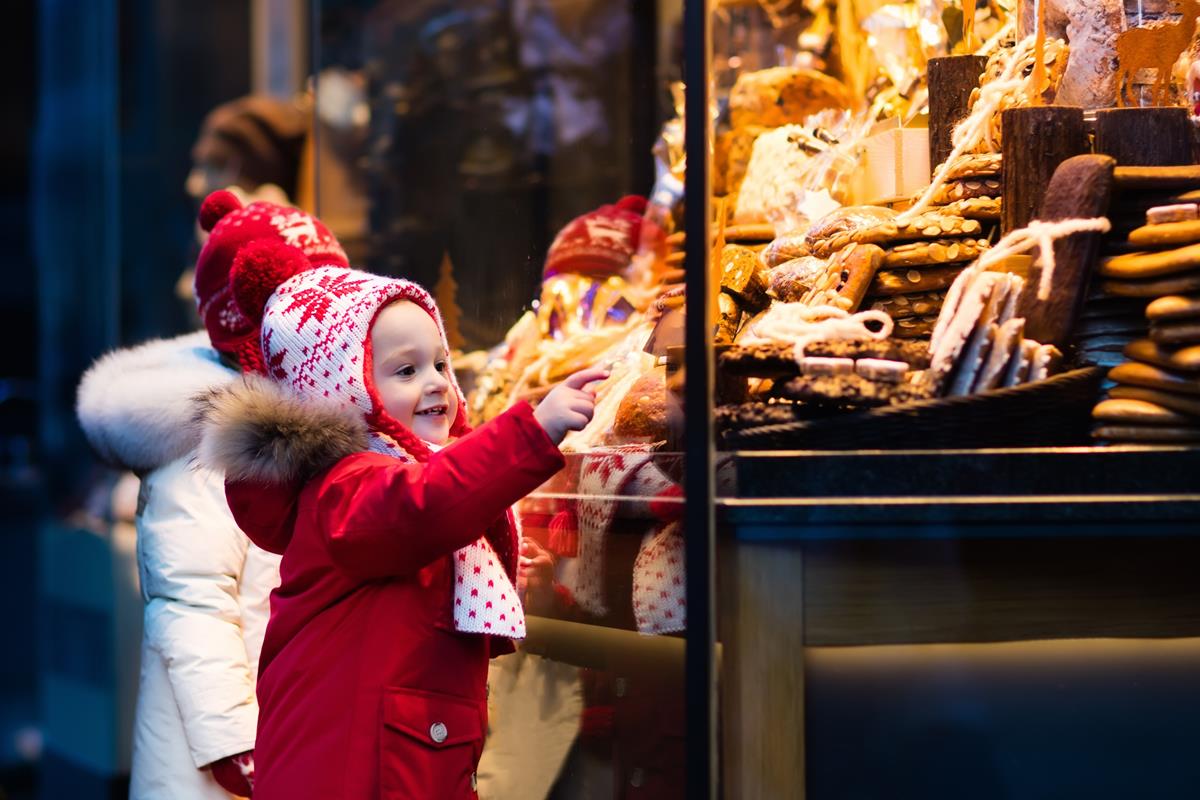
(488, 151)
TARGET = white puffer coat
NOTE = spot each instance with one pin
(205, 585)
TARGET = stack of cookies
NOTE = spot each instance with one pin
(1146, 256)
(921, 258)
(1156, 393)
(973, 188)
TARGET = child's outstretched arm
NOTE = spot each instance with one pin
(384, 517)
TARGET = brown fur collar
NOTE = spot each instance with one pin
(256, 430)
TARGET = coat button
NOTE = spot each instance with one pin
(637, 777)
(619, 687)
(438, 732)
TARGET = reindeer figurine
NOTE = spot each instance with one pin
(1156, 46)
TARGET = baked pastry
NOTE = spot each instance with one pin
(642, 413)
(783, 95)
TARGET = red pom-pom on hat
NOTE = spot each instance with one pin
(257, 271)
(217, 205)
(633, 203)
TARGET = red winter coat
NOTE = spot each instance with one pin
(362, 672)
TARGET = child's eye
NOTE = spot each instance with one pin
(441, 366)
(406, 371)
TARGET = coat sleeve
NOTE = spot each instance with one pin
(383, 517)
(192, 555)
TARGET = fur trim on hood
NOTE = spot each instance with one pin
(135, 404)
(256, 430)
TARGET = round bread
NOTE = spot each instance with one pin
(783, 95)
(642, 414)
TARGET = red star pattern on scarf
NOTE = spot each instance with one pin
(315, 300)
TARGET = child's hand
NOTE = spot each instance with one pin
(569, 406)
(535, 577)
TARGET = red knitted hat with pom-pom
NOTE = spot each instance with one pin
(232, 228)
(599, 243)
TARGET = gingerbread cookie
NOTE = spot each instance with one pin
(753, 415)
(765, 360)
(909, 305)
(938, 251)
(1006, 345)
(1148, 434)
(1136, 374)
(915, 354)
(1179, 403)
(850, 390)
(1138, 412)
(967, 189)
(742, 277)
(785, 248)
(914, 327)
(1166, 233)
(1176, 333)
(848, 275)
(1172, 284)
(791, 280)
(1185, 359)
(975, 165)
(1143, 266)
(937, 225)
(1173, 307)
(975, 208)
(890, 282)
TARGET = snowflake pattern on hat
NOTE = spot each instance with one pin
(315, 331)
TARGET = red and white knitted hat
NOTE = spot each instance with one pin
(599, 243)
(316, 331)
(232, 228)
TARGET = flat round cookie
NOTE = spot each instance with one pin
(1146, 434)
(975, 208)
(933, 252)
(1136, 374)
(1172, 307)
(1166, 233)
(1181, 332)
(914, 327)
(1188, 405)
(1138, 412)
(1141, 266)
(1174, 284)
(975, 165)
(889, 282)
(1185, 359)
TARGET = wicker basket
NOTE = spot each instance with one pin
(1053, 412)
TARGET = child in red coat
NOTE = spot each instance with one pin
(399, 553)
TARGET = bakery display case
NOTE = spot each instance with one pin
(898, 453)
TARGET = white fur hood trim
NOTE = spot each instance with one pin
(137, 405)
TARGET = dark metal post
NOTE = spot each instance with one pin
(698, 414)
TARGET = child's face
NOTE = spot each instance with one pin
(412, 372)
